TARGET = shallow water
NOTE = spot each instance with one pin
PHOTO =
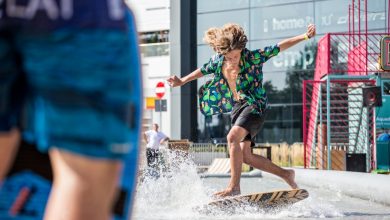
(178, 190)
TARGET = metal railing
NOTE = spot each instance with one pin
(342, 53)
(155, 49)
(203, 154)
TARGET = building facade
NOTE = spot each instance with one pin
(266, 23)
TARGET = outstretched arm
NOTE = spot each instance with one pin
(287, 43)
(164, 139)
(176, 81)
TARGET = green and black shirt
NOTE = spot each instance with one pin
(215, 96)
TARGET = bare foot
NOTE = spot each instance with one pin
(227, 192)
(290, 179)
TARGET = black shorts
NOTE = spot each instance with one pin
(242, 116)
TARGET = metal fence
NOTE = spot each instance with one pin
(203, 154)
(282, 154)
(335, 122)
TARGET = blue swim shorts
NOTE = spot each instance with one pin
(72, 85)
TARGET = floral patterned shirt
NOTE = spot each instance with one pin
(215, 96)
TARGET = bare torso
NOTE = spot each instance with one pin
(231, 73)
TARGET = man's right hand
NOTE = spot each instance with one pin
(174, 81)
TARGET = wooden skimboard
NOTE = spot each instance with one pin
(262, 200)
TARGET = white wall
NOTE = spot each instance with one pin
(152, 15)
(156, 67)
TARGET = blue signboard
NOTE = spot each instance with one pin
(383, 112)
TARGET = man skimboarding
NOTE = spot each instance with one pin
(237, 87)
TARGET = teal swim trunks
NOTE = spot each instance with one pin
(71, 78)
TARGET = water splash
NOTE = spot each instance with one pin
(170, 190)
(174, 190)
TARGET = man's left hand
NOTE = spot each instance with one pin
(311, 30)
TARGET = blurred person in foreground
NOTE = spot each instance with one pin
(237, 87)
(77, 64)
(154, 138)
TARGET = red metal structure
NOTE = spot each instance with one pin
(349, 55)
